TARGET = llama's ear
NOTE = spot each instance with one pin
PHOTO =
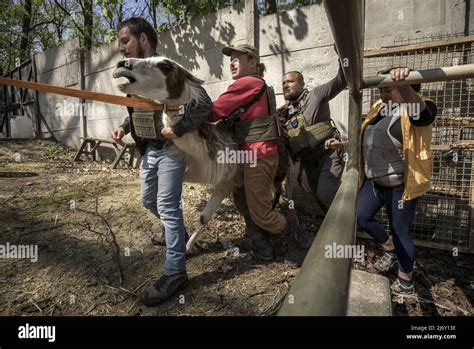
(190, 76)
(165, 66)
(194, 79)
(175, 82)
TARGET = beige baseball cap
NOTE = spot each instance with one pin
(244, 48)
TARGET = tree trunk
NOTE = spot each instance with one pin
(88, 24)
(25, 31)
(120, 13)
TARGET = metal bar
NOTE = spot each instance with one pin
(82, 84)
(322, 286)
(343, 16)
(5, 110)
(36, 112)
(39, 115)
(423, 76)
(471, 223)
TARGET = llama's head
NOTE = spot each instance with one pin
(156, 78)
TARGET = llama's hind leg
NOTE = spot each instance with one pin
(206, 215)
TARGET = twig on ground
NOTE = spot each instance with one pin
(109, 236)
(37, 306)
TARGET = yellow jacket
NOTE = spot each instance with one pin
(416, 154)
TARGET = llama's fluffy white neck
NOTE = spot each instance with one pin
(191, 93)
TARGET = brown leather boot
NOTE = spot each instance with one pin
(261, 247)
(299, 242)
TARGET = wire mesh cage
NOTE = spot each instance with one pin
(443, 216)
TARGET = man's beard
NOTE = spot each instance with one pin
(293, 96)
(141, 51)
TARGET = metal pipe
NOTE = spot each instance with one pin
(353, 133)
(322, 286)
(346, 19)
(464, 71)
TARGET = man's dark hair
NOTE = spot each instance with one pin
(137, 26)
(416, 87)
(300, 76)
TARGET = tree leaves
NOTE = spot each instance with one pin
(95, 21)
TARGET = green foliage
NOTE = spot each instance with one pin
(54, 22)
(292, 4)
(10, 34)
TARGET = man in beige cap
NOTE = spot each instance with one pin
(248, 107)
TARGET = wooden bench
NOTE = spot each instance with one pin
(94, 143)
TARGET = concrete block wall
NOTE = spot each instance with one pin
(388, 20)
(300, 39)
(60, 66)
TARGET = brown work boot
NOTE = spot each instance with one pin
(261, 247)
(297, 236)
(165, 288)
(295, 256)
(299, 242)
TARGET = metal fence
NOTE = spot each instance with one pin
(322, 285)
(443, 216)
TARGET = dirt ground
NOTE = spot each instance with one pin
(84, 216)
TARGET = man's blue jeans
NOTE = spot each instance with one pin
(162, 175)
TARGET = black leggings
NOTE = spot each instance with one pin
(400, 213)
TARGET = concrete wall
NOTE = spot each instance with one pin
(301, 40)
(388, 20)
(296, 40)
(60, 66)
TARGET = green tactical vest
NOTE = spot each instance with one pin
(302, 137)
(257, 130)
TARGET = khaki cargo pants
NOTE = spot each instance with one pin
(255, 197)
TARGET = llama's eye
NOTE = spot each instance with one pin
(165, 67)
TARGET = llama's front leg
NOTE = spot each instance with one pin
(206, 215)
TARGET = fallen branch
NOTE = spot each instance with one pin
(37, 306)
(135, 290)
(109, 236)
(131, 307)
(122, 289)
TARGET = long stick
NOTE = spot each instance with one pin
(463, 71)
(72, 92)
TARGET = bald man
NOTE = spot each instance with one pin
(310, 110)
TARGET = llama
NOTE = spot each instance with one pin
(166, 82)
